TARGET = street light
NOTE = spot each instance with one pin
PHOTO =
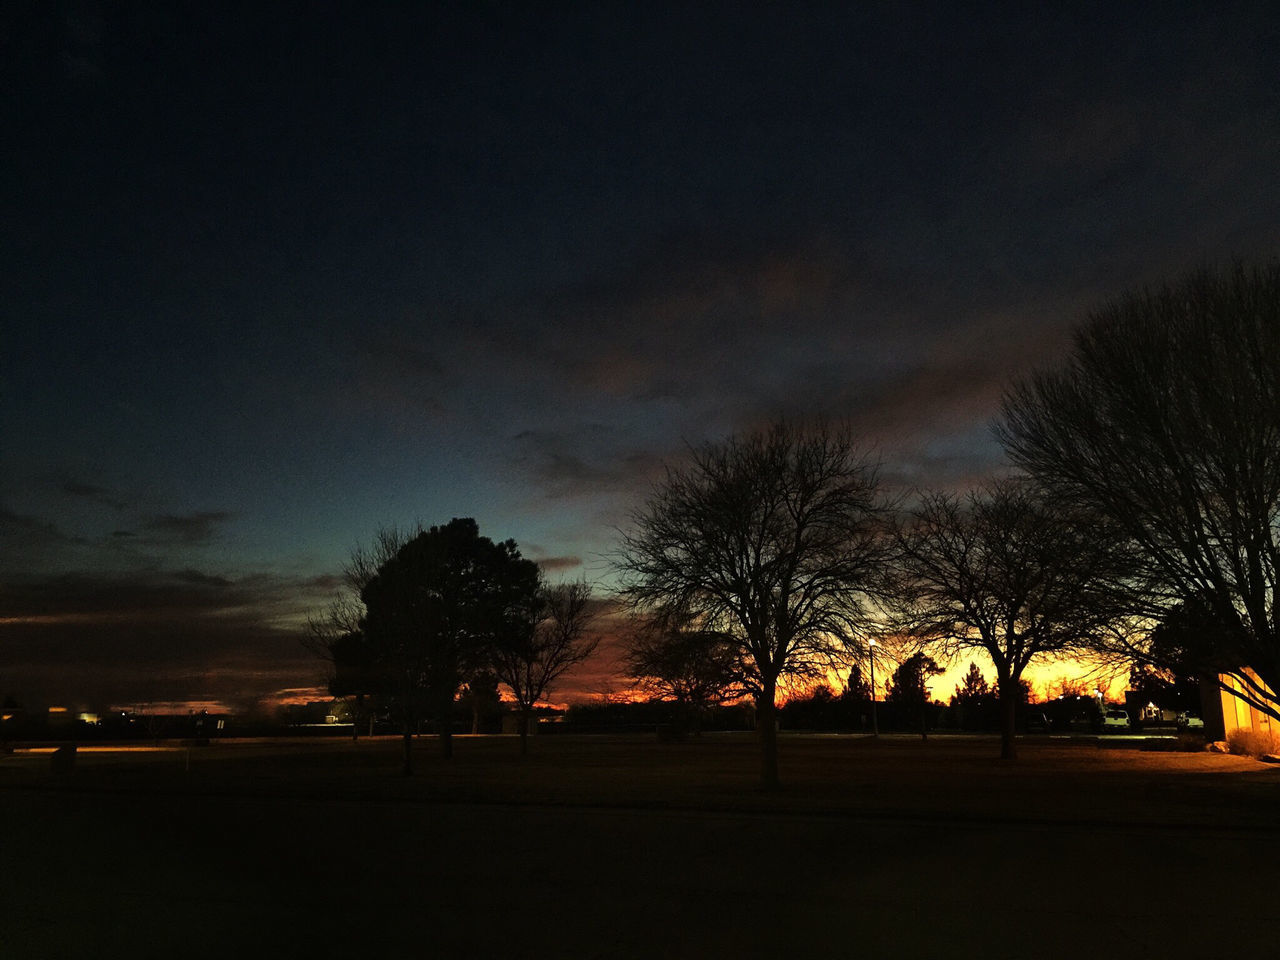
(875, 727)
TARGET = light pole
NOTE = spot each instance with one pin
(871, 650)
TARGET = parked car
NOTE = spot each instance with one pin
(1115, 721)
(1189, 721)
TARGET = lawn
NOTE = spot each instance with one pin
(945, 777)
(595, 847)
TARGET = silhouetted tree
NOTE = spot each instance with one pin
(1148, 684)
(856, 697)
(818, 709)
(974, 705)
(1166, 421)
(1005, 571)
(909, 690)
(974, 684)
(337, 634)
(856, 687)
(541, 642)
(360, 669)
(695, 669)
(773, 539)
(480, 695)
(437, 609)
(1192, 640)
(357, 675)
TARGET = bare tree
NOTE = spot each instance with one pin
(1004, 571)
(774, 539)
(694, 669)
(1166, 421)
(537, 651)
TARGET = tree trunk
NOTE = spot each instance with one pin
(355, 720)
(444, 724)
(524, 732)
(767, 725)
(1008, 687)
(408, 749)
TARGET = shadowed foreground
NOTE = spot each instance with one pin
(600, 848)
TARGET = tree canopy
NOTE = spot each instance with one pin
(774, 539)
(696, 669)
(1006, 571)
(909, 691)
(438, 607)
(541, 642)
(1166, 421)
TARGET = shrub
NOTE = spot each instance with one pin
(1252, 743)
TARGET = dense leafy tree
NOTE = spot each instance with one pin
(818, 709)
(1166, 421)
(337, 636)
(855, 698)
(358, 669)
(856, 687)
(1193, 640)
(909, 690)
(1165, 689)
(356, 676)
(773, 539)
(974, 705)
(437, 609)
(974, 684)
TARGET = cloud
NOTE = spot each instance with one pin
(23, 527)
(586, 461)
(694, 316)
(398, 375)
(88, 491)
(557, 564)
(189, 528)
(155, 635)
(145, 593)
(28, 542)
(326, 582)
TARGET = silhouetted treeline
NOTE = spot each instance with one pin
(650, 715)
(824, 711)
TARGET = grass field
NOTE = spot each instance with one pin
(627, 847)
(942, 777)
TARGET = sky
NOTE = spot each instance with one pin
(276, 275)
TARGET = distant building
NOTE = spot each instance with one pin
(1225, 712)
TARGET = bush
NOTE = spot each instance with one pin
(1252, 743)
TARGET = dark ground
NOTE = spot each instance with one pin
(630, 848)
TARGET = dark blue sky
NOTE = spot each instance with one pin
(276, 274)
